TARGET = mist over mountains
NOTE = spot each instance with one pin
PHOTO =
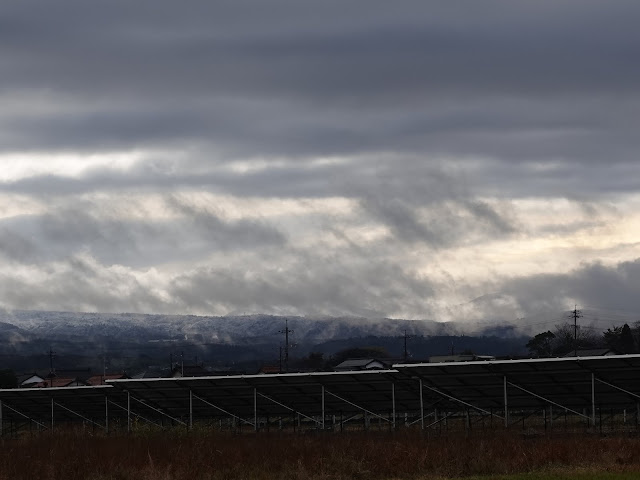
(140, 340)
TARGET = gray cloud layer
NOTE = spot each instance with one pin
(434, 119)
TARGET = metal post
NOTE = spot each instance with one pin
(393, 401)
(255, 409)
(421, 407)
(106, 414)
(593, 400)
(128, 411)
(506, 405)
(600, 411)
(190, 409)
(52, 414)
(323, 414)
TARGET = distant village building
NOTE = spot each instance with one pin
(269, 370)
(28, 380)
(66, 378)
(592, 352)
(101, 379)
(57, 382)
(189, 371)
(460, 358)
(179, 371)
(360, 364)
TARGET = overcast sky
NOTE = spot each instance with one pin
(413, 159)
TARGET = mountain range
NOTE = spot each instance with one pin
(132, 340)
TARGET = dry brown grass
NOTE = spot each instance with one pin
(373, 455)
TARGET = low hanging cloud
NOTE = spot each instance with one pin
(72, 230)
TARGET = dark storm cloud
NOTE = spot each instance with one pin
(316, 79)
(444, 225)
(610, 287)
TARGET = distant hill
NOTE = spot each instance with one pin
(136, 340)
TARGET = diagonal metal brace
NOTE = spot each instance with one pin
(78, 415)
(289, 408)
(547, 400)
(451, 397)
(158, 410)
(221, 409)
(4, 405)
(357, 406)
(635, 395)
(133, 413)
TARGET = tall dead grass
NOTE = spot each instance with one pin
(364, 455)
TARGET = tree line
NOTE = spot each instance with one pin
(567, 338)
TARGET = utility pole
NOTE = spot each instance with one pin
(406, 352)
(576, 314)
(52, 354)
(52, 371)
(286, 332)
(280, 360)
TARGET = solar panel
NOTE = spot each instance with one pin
(579, 385)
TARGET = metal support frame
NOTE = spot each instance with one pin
(422, 415)
(323, 413)
(221, 409)
(293, 410)
(421, 407)
(435, 416)
(356, 405)
(593, 400)
(347, 420)
(190, 409)
(506, 403)
(634, 395)
(255, 409)
(77, 414)
(129, 397)
(129, 413)
(393, 404)
(548, 400)
(5, 405)
(439, 420)
(451, 397)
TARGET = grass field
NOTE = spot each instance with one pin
(594, 475)
(197, 455)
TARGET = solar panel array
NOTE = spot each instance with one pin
(579, 385)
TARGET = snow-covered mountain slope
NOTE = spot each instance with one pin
(224, 330)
